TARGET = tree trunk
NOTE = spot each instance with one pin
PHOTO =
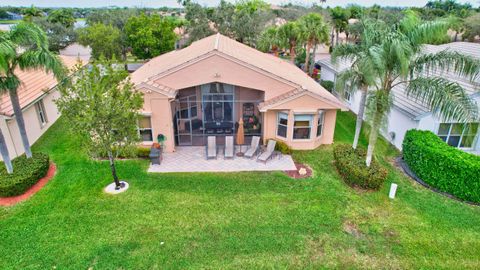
(307, 56)
(361, 110)
(312, 64)
(17, 110)
(114, 171)
(456, 36)
(332, 40)
(5, 154)
(292, 52)
(377, 119)
(124, 58)
(275, 50)
(337, 34)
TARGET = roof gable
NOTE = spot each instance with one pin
(218, 44)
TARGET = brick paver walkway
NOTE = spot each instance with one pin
(192, 159)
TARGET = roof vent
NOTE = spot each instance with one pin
(304, 87)
(217, 40)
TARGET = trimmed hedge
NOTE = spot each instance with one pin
(350, 164)
(26, 173)
(126, 153)
(441, 166)
(327, 85)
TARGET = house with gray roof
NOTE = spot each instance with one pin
(409, 113)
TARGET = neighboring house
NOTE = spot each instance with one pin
(407, 113)
(14, 16)
(36, 93)
(206, 88)
(84, 53)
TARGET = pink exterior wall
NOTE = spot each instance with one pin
(32, 124)
(159, 106)
(219, 69)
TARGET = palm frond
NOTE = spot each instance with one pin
(445, 98)
(42, 59)
(28, 35)
(346, 51)
(447, 61)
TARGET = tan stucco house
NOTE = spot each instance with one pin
(36, 94)
(207, 87)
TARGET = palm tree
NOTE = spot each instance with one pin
(339, 18)
(269, 40)
(289, 34)
(24, 47)
(313, 31)
(399, 59)
(360, 76)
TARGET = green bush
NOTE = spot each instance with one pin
(327, 85)
(283, 148)
(26, 172)
(441, 166)
(350, 164)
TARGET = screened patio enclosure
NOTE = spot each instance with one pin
(215, 109)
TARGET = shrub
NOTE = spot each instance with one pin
(350, 164)
(327, 85)
(441, 166)
(26, 172)
(283, 148)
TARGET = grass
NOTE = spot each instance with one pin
(232, 220)
(9, 21)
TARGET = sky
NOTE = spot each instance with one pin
(173, 3)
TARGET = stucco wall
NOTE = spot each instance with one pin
(270, 130)
(327, 74)
(398, 124)
(159, 107)
(219, 69)
(32, 124)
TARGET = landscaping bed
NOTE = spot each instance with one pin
(26, 172)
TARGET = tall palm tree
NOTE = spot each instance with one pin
(339, 18)
(269, 40)
(24, 47)
(400, 59)
(289, 34)
(313, 31)
(360, 76)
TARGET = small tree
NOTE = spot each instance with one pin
(102, 106)
(105, 40)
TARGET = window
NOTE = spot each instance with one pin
(320, 121)
(282, 123)
(42, 117)
(347, 96)
(457, 134)
(145, 129)
(302, 126)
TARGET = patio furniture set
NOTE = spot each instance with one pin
(263, 154)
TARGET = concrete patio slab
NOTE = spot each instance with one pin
(192, 159)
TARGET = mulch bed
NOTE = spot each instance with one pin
(9, 201)
(400, 163)
(295, 173)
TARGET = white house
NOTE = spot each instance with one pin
(36, 93)
(408, 113)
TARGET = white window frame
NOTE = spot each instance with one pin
(41, 113)
(310, 126)
(320, 123)
(461, 135)
(278, 124)
(143, 129)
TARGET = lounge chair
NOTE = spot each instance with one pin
(229, 147)
(265, 156)
(253, 147)
(211, 147)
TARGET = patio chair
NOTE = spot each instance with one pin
(265, 156)
(211, 148)
(229, 147)
(253, 147)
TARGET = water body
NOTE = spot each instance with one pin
(7, 26)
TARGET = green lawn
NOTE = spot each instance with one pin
(232, 220)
